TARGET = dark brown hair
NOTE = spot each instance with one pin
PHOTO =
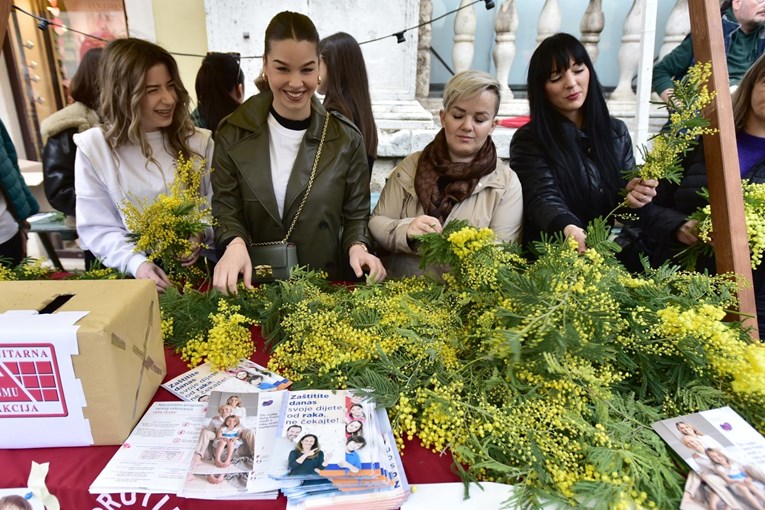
(347, 85)
(283, 26)
(84, 87)
(217, 79)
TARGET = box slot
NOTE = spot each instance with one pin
(56, 303)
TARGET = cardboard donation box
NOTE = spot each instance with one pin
(79, 360)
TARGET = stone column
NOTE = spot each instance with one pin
(422, 88)
(678, 26)
(464, 37)
(549, 20)
(505, 25)
(591, 26)
(629, 52)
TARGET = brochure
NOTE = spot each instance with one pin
(155, 456)
(726, 453)
(247, 377)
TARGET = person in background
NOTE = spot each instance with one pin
(570, 157)
(344, 84)
(58, 132)
(263, 160)
(457, 176)
(220, 89)
(132, 156)
(743, 26)
(683, 199)
(16, 203)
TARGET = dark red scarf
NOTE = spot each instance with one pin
(441, 184)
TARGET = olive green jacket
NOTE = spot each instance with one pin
(337, 210)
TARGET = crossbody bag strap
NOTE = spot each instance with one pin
(308, 189)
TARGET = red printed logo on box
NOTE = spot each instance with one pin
(30, 384)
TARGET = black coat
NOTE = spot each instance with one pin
(58, 170)
(546, 209)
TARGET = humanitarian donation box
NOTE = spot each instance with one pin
(79, 360)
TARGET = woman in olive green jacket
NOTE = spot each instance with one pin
(264, 153)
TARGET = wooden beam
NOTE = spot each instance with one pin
(5, 14)
(721, 155)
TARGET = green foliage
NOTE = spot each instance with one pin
(544, 374)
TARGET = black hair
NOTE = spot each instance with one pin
(217, 79)
(555, 54)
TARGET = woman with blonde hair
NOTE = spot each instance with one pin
(132, 155)
(456, 177)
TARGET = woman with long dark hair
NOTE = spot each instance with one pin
(345, 86)
(570, 157)
(220, 89)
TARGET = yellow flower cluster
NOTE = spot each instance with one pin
(6, 274)
(754, 212)
(691, 96)
(729, 356)
(226, 342)
(469, 240)
(165, 227)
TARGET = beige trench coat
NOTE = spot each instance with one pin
(496, 202)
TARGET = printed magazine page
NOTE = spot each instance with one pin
(725, 451)
(222, 462)
(323, 430)
(247, 377)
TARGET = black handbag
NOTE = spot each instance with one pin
(274, 260)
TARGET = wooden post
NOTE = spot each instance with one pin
(721, 155)
(5, 14)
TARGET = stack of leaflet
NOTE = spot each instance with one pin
(336, 450)
(320, 448)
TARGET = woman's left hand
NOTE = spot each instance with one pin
(360, 259)
(191, 258)
(640, 192)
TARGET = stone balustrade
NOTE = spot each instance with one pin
(397, 143)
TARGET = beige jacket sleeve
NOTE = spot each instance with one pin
(396, 208)
(507, 218)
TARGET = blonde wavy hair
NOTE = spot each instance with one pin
(124, 65)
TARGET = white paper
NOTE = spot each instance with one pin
(426, 496)
(41, 400)
(156, 455)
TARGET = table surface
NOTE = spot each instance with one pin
(72, 470)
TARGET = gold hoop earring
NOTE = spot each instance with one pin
(319, 80)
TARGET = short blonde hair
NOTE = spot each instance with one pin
(467, 84)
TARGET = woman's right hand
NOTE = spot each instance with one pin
(578, 235)
(235, 261)
(688, 232)
(423, 225)
(150, 271)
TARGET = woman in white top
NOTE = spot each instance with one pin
(146, 125)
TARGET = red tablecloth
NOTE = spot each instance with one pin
(72, 470)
